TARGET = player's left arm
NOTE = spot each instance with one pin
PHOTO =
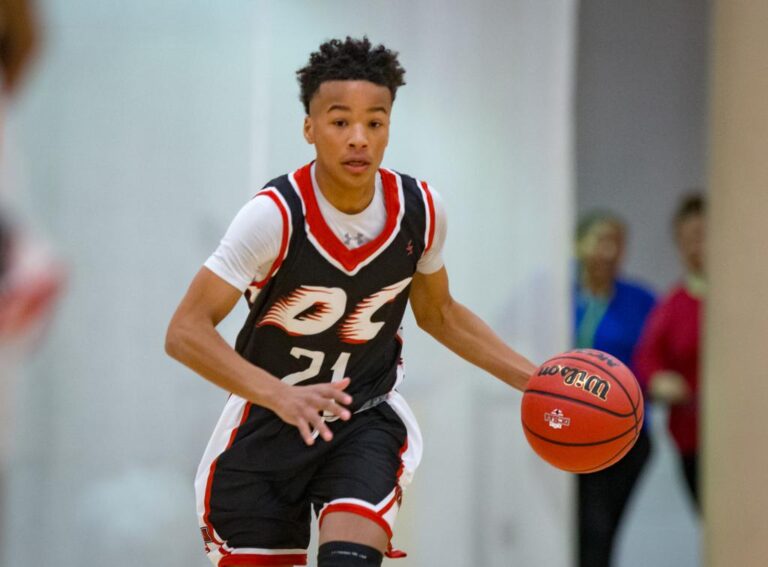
(459, 329)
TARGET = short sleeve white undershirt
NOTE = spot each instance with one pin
(252, 242)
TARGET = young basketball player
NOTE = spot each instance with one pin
(328, 256)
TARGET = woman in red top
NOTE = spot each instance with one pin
(667, 358)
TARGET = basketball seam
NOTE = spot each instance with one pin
(566, 444)
(605, 464)
(582, 402)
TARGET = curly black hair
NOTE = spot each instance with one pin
(350, 60)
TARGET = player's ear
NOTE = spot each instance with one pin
(309, 134)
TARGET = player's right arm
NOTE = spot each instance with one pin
(193, 340)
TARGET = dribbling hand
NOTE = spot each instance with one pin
(303, 407)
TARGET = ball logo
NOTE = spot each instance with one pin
(556, 419)
(579, 378)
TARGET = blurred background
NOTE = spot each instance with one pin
(143, 127)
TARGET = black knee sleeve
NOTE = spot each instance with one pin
(345, 554)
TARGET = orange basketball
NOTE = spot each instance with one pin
(582, 410)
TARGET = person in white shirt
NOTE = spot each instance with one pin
(329, 256)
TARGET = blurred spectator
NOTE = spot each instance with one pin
(29, 284)
(667, 358)
(609, 315)
(28, 279)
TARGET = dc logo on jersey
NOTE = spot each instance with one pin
(310, 310)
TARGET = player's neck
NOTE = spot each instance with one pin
(347, 198)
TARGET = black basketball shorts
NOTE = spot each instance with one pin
(255, 492)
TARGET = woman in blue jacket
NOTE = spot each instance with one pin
(609, 314)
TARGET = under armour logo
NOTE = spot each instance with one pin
(409, 248)
(359, 239)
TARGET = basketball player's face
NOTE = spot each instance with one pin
(348, 124)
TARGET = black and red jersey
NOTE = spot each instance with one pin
(325, 311)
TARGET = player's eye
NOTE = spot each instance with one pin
(376, 124)
(340, 123)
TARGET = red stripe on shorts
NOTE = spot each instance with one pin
(206, 520)
(257, 559)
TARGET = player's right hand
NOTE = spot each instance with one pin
(303, 406)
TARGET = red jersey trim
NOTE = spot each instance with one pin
(429, 235)
(403, 449)
(286, 235)
(258, 559)
(391, 502)
(350, 260)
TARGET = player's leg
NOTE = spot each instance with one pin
(358, 490)
(350, 539)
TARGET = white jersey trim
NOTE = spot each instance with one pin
(413, 453)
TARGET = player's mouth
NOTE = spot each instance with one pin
(356, 166)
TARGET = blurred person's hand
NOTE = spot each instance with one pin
(669, 387)
(31, 281)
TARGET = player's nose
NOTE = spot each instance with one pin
(357, 137)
